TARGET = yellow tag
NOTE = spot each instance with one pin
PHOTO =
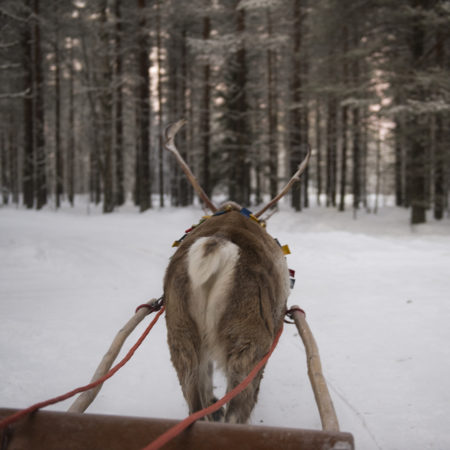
(285, 249)
(254, 218)
(175, 244)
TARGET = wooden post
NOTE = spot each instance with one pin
(318, 383)
(86, 398)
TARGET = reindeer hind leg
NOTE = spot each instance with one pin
(207, 390)
(238, 367)
(185, 345)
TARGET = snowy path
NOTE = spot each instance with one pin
(375, 292)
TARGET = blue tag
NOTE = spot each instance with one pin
(246, 212)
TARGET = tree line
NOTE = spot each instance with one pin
(86, 88)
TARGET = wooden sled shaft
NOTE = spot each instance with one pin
(324, 403)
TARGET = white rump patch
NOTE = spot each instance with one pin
(211, 264)
(210, 256)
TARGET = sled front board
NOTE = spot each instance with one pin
(46, 430)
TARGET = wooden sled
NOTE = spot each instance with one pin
(73, 430)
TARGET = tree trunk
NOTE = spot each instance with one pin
(305, 134)
(205, 116)
(94, 175)
(242, 172)
(356, 178)
(272, 114)
(364, 165)
(28, 122)
(14, 162)
(356, 128)
(344, 118)
(137, 151)
(440, 160)
(4, 164)
(184, 193)
(172, 104)
(318, 127)
(71, 125)
(39, 117)
(377, 173)
(417, 130)
(106, 104)
(439, 169)
(331, 150)
(160, 104)
(297, 133)
(59, 174)
(239, 187)
(343, 180)
(399, 163)
(418, 162)
(118, 144)
(144, 174)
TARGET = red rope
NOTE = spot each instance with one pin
(15, 417)
(181, 426)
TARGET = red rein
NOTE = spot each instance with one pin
(175, 430)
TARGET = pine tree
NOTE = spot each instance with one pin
(236, 113)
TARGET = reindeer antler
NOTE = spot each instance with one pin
(169, 144)
(285, 190)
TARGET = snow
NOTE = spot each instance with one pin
(374, 289)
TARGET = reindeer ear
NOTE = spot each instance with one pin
(169, 144)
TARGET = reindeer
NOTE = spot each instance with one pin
(225, 292)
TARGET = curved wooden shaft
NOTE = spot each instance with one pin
(318, 383)
(86, 398)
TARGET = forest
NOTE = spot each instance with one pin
(88, 86)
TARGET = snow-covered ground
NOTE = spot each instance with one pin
(375, 290)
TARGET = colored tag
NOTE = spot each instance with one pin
(285, 249)
(176, 244)
(246, 212)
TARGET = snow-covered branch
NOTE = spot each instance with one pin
(10, 95)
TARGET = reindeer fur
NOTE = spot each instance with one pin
(225, 291)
